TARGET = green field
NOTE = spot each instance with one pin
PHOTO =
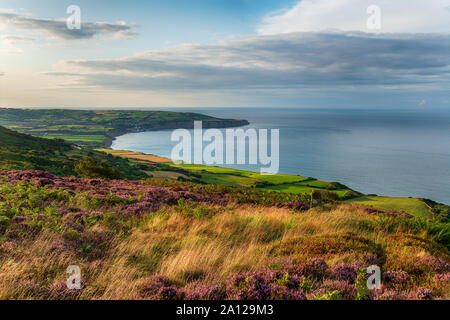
(241, 174)
(275, 182)
(80, 138)
(235, 178)
(299, 188)
(413, 206)
(285, 183)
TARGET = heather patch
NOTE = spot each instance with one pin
(308, 246)
(287, 283)
(158, 239)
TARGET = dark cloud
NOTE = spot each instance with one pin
(58, 28)
(294, 60)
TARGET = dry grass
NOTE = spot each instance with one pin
(207, 249)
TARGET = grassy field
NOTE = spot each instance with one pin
(413, 206)
(78, 138)
(276, 178)
(232, 177)
(281, 183)
(299, 188)
(276, 182)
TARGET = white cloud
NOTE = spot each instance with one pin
(296, 60)
(397, 16)
(12, 40)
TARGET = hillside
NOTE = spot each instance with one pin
(96, 128)
(23, 152)
(163, 168)
(199, 232)
(166, 169)
(173, 240)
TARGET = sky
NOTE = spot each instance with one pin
(226, 53)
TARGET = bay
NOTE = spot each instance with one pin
(384, 152)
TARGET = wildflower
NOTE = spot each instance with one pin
(425, 294)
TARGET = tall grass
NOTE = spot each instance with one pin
(207, 249)
(125, 233)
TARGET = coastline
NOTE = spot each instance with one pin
(418, 206)
(98, 128)
(188, 124)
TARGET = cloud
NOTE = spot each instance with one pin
(57, 29)
(12, 40)
(288, 61)
(16, 51)
(412, 16)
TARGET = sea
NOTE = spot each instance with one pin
(404, 153)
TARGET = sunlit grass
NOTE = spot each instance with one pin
(413, 206)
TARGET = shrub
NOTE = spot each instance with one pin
(90, 168)
(363, 293)
(400, 278)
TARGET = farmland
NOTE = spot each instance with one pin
(95, 128)
(165, 169)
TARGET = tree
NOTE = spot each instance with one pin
(90, 168)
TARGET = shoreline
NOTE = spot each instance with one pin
(217, 124)
(160, 159)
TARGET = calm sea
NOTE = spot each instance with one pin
(396, 153)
